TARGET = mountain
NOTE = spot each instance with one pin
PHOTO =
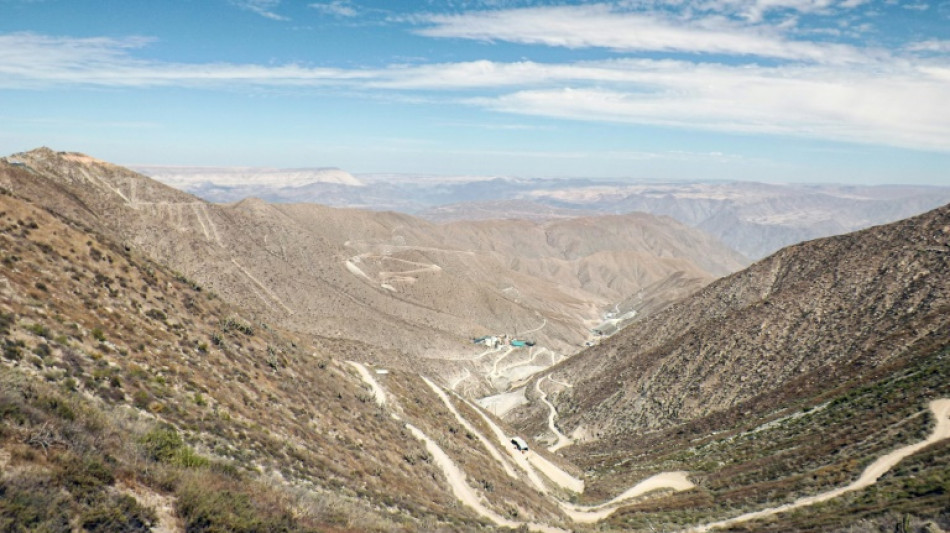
(384, 279)
(755, 219)
(808, 392)
(812, 315)
(774, 383)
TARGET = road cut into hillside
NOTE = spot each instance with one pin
(941, 411)
(562, 439)
(378, 393)
(531, 463)
(588, 514)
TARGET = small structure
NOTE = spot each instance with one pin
(519, 444)
(489, 340)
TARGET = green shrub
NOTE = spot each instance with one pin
(39, 330)
(156, 314)
(165, 445)
(162, 444)
(13, 350)
(84, 476)
(232, 323)
(32, 504)
(212, 505)
(98, 335)
(6, 320)
(118, 513)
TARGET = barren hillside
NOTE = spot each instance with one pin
(811, 316)
(808, 392)
(424, 289)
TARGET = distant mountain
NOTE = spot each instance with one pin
(755, 219)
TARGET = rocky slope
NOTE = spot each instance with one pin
(132, 397)
(811, 316)
(332, 272)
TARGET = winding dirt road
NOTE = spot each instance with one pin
(533, 464)
(562, 439)
(941, 411)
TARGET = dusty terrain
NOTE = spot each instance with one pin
(807, 392)
(412, 292)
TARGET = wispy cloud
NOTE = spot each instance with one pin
(896, 102)
(757, 10)
(337, 8)
(604, 26)
(903, 109)
(37, 61)
(932, 45)
(264, 8)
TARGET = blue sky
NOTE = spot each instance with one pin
(847, 91)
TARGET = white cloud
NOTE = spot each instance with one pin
(603, 26)
(38, 61)
(904, 109)
(758, 10)
(337, 8)
(933, 45)
(264, 8)
(896, 102)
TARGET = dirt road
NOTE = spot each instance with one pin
(941, 411)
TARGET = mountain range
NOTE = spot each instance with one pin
(754, 219)
(333, 272)
(170, 364)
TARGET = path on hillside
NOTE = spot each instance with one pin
(458, 381)
(588, 514)
(454, 475)
(870, 476)
(471, 429)
(494, 369)
(531, 463)
(534, 353)
(378, 393)
(562, 439)
(544, 322)
(263, 287)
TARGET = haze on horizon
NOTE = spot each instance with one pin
(842, 91)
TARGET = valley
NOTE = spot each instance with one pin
(298, 367)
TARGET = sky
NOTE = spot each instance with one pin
(813, 91)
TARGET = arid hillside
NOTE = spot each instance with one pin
(810, 317)
(134, 399)
(810, 392)
(393, 282)
(131, 396)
